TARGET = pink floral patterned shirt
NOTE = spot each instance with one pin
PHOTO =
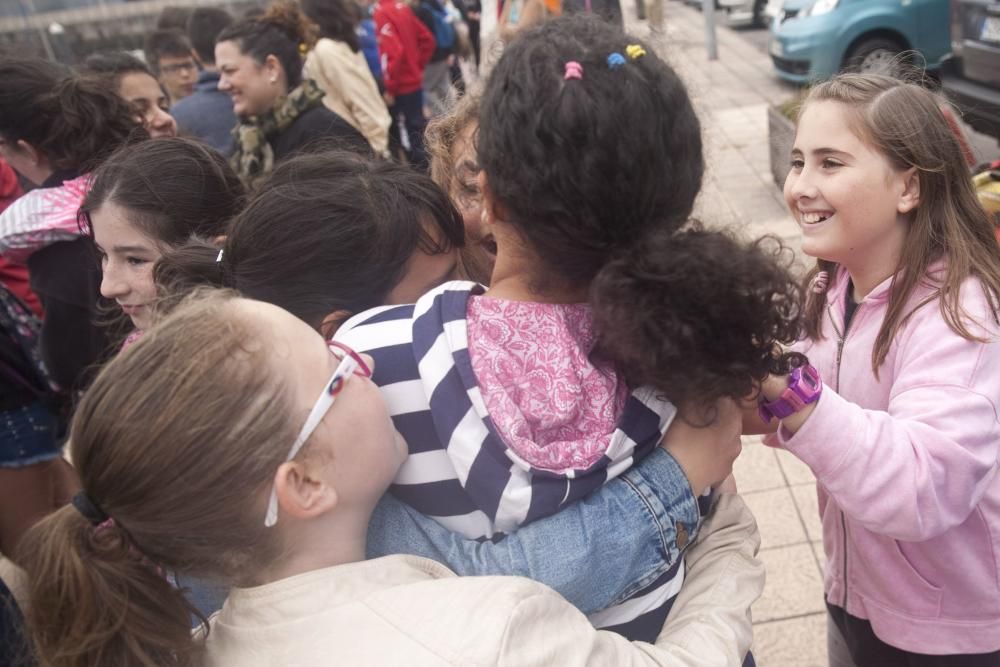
(549, 403)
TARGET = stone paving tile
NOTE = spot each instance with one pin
(807, 504)
(757, 468)
(794, 642)
(820, 555)
(777, 517)
(794, 585)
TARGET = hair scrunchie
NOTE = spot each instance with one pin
(89, 509)
(574, 70)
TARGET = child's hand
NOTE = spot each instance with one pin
(706, 453)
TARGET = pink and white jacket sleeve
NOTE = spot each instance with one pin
(920, 466)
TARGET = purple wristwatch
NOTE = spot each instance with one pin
(804, 387)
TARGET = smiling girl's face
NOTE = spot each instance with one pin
(127, 259)
(849, 201)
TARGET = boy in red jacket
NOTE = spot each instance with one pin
(405, 47)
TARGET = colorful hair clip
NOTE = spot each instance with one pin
(616, 60)
(635, 51)
(574, 70)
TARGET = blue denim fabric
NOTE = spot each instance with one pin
(14, 648)
(28, 436)
(596, 552)
(207, 597)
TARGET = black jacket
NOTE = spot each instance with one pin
(317, 129)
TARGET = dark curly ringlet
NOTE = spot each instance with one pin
(584, 168)
(325, 232)
(599, 176)
(698, 314)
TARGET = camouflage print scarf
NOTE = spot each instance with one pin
(254, 156)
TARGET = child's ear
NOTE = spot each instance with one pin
(332, 322)
(909, 199)
(301, 494)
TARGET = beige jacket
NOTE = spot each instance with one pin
(403, 610)
(350, 90)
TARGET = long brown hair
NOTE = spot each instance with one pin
(905, 123)
(175, 441)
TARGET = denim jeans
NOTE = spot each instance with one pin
(408, 121)
(595, 552)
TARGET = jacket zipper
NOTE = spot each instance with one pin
(842, 338)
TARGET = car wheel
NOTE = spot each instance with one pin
(759, 19)
(876, 55)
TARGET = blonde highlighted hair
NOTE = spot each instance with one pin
(176, 442)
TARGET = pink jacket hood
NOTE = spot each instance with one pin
(907, 469)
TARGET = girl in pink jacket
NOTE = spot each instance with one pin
(897, 417)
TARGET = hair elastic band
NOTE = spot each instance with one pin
(820, 282)
(574, 70)
(635, 51)
(89, 509)
(616, 60)
(109, 523)
(218, 258)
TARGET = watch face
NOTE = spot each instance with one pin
(810, 379)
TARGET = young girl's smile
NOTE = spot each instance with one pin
(127, 260)
(848, 199)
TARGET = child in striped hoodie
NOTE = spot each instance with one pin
(519, 399)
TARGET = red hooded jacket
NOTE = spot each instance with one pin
(405, 46)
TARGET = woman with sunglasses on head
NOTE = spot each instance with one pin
(292, 540)
(260, 61)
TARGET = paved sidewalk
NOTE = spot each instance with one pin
(731, 95)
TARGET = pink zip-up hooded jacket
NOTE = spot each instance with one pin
(906, 466)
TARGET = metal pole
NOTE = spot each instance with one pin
(708, 9)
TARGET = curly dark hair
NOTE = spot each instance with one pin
(584, 168)
(599, 177)
(698, 314)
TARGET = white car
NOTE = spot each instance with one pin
(756, 12)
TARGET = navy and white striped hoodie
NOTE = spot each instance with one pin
(460, 472)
